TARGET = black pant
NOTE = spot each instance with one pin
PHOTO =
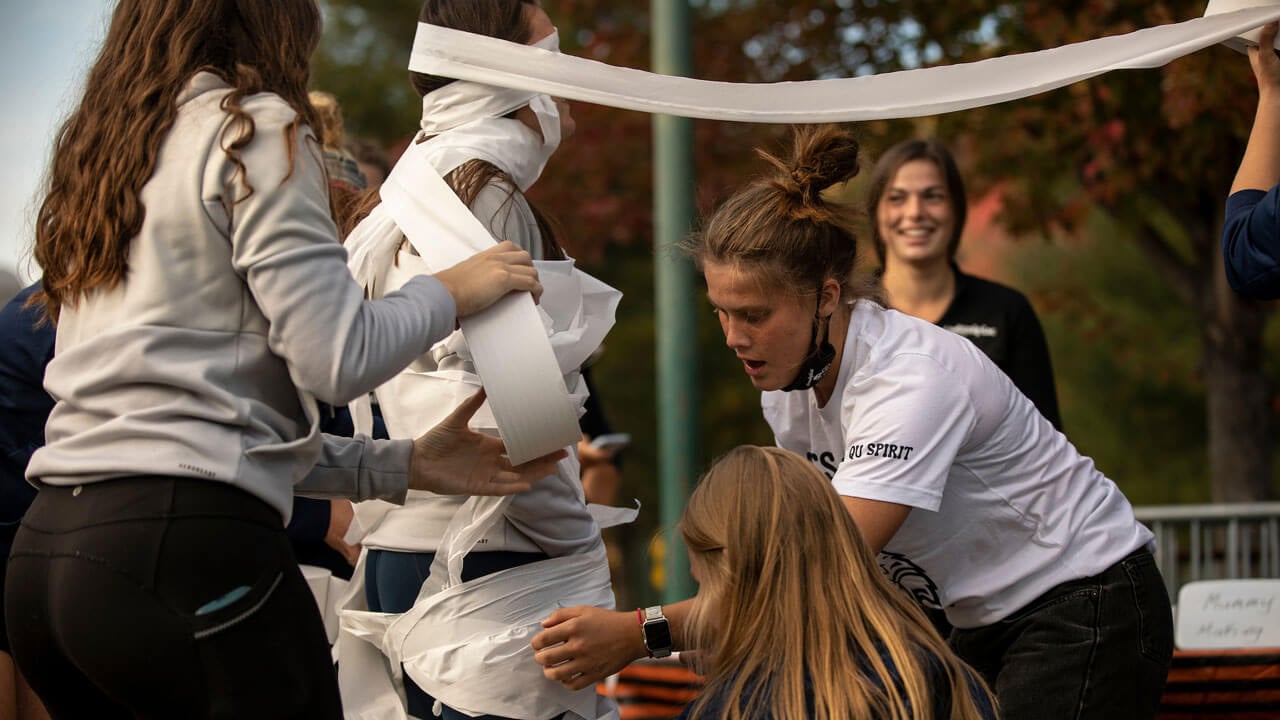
(1097, 648)
(164, 598)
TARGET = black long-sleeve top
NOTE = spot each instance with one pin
(1002, 323)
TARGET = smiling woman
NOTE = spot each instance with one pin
(917, 202)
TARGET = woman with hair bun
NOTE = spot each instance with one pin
(203, 304)
(973, 501)
(783, 576)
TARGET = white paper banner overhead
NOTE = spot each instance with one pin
(908, 93)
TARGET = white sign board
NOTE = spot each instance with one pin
(1220, 614)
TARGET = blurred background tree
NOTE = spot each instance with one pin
(1113, 189)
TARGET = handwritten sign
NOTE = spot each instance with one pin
(1221, 614)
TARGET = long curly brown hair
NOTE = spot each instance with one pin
(106, 151)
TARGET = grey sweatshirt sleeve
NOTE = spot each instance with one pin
(284, 243)
(554, 515)
(506, 213)
(359, 468)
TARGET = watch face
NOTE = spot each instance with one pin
(657, 635)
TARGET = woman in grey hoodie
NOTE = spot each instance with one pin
(203, 305)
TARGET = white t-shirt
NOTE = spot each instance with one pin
(1004, 507)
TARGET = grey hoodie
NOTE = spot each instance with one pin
(206, 361)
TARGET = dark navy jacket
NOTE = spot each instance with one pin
(1251, 243)
(26, 346)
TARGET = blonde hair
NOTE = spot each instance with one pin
(791, 601)
(329, 116)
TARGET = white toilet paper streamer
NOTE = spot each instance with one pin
(909, 93)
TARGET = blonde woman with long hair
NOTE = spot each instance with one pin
(793, 617)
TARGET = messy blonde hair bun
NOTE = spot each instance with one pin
(781, 227)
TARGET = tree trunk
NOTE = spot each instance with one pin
(1237, 392)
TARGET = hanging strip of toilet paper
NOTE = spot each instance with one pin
(908, 93)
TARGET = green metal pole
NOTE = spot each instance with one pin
(674, 285)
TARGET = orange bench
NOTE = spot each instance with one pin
(652, 689)
(1223, 684)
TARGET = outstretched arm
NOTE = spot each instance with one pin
(877, 520)
(1251, 233)
(448, 459)
(583, 645)
(1260, 168)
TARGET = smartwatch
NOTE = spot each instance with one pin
(657, 632)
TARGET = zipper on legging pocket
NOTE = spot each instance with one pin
(231, 622)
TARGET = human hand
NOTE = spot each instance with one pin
(486, 277)
(1266, 64)
(589, 454)
(341, 513)
(583, 645)
(695, 660)
(452, 459)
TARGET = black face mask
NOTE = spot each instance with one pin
(817, 363)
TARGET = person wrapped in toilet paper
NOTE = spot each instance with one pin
(454, 588)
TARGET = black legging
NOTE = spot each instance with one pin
(157, 597)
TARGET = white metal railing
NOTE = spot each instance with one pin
(1214, 542)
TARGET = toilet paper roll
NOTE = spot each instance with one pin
(509, 345)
